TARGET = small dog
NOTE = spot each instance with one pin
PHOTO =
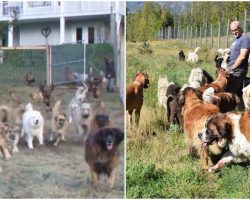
(134, 96)
(59, 124)
(46, 92)
(29, 79)
(102, 155)
(181, 56)
(33, 125)
(193, 56)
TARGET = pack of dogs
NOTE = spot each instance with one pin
(205, 111)
(89, 118)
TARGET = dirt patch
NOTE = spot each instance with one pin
(57, 172)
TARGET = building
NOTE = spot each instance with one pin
(35, 23)
(58, 22)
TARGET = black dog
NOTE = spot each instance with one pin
(181, 55)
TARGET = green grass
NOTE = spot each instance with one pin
(158, 165)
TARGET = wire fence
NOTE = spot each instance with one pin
(216, 35)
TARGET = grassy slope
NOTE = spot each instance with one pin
(157, 162)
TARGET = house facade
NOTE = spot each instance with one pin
(58, 22)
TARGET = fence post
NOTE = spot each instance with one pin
(206, 33)
(212, 35)
(178, 32)
(187, 32)
(183, 34)
(48, 50)
(200, 37)
(227, 33)
(219, 36)
(165, 29)
(191, 32)
(245, 21)
(196, 33)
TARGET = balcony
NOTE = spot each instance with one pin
(53, 9)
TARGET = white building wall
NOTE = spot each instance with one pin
(30, 34)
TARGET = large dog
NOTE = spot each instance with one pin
(224, 100)
(33, 125)
(219, 84)
(232, 130)
(193, 56)
(59, 124)
(83, 119)
(101, 153)
(246, 96)
(134, 96)
(195, 114)
(163, 84)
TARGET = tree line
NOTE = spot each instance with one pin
(153, 16)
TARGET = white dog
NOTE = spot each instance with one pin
(196, 78)
(193, 56)
(246, 96)
(161, 91)
(33, 125)
(225, 54)
(77, 100)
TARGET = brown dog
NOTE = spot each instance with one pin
(134, 96)
(101, 153)
(59, 124)
(46, 93)
(219, 84)
(195, 114)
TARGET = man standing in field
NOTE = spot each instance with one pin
(238, 62)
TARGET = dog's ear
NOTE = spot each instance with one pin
(119, 135)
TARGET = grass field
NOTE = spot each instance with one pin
(158, 165)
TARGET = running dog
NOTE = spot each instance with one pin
(102, 155)
(33, 125)
(193, 56)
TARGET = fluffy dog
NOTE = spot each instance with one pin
(193, 56)
(181, 56)
(222, 60)
(219, 84)
(9, 138)
(196, 78)
(59, 124)
(29, 79)
(101, 153)
(134, 96)
(33, 125)
(246, 96)
(232, 130)
(161, 90)
(195, 114)
(224, 100)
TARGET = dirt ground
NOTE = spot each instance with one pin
(57, 172)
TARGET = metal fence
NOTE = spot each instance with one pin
(216, 35)
(77, 58)
(17, 62)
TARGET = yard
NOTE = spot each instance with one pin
(158, 165)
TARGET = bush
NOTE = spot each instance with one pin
(145, 48)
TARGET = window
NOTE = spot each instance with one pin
(38, 3)
(91, 33)
(79, 35)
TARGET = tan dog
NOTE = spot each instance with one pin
(246, 96)
(134, 96)
(59, 124)
(195, 114)
(219, 84)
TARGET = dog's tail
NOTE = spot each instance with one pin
(196, 50)
(6, 113)
(56, 108)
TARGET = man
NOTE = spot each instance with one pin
(109, 74)
(238, 61)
